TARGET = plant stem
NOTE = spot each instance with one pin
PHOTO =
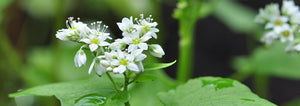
(126, 82)
(261, 85)
(186, 50)
(113, 82)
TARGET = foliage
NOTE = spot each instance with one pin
(272, 62)
(212, 91)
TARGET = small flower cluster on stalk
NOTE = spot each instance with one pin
(281, 24)
(126, 53)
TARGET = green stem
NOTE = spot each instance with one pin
(240, 76)
(135, 78)
(261, 85)
(113, 82)
(186, 50)
(126, 83)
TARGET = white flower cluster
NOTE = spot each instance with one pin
(123, 54)
(281, 24)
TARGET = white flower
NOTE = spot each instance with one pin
(126, 26)
(99, 68)
(97, 36)
(80, 58)
(136, 42)
(271, 10)
(295, 18)
(118, 44)
(293, 47)
(74, 32)
(277, 22)
(156, 50)
(147, 28)
(138, 55)
(285, 33)
(138, 58)
(270, 37)
(289, 7)
(95, 41)
(123, 62)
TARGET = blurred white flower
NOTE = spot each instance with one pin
(295, 18)
(277, 22)
(289, 8)
(74, 32)
(285, 33)
(293, 47)
(271, 10)
(270, 37)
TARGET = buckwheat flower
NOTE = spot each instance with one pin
(147, 27)
(80, 58)
(126, 26)
(123, 62)
(95, 41)
(289, 7)
(295, 18)
(118, 44)
(269, 37)
(285, 33)
(277, 22)
(271, 10)
(74, 32)
(97, 66)
(293, 47)
(135, 41)
(139, 57)
(99, 30)
(156, 50)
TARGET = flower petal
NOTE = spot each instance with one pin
(133, 67)
(143, 46)
(91, 67)
(93, 47)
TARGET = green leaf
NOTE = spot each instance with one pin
(272, 62)
(145, 94)
(238, 17)
(212, 91)
(155, 66)
(122, 96)
(90, 100)
(95, 90)
(145, 78)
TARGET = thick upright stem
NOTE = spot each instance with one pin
(261, 85)
(186, 50)
(126, 83)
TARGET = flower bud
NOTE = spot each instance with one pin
(156, 50)
(80, 58)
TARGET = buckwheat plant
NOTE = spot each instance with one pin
(281, 24)
(123, 56)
